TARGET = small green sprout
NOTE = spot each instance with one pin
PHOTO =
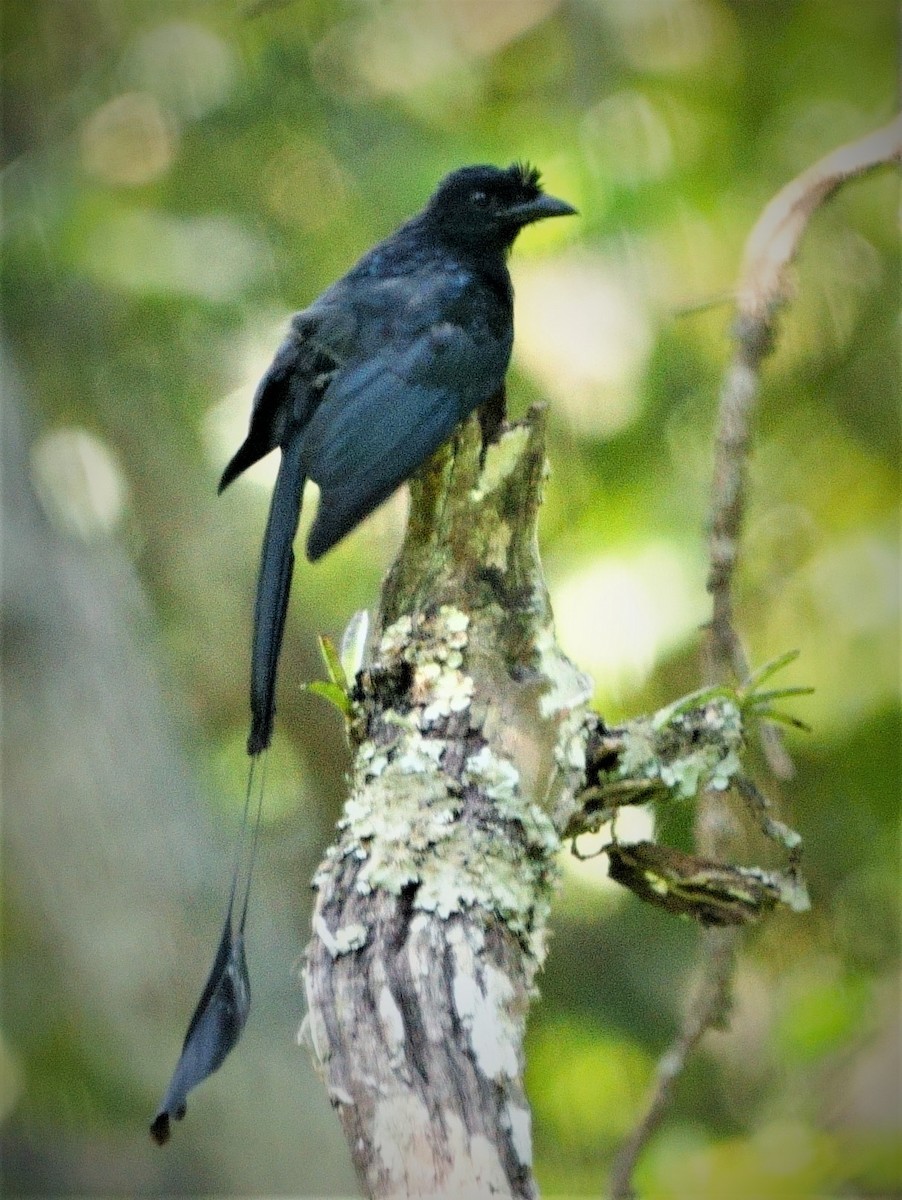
(749, 697)
(335, 689)
(760, 703)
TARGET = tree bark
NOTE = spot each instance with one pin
(469, 731)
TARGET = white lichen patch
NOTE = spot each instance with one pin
(465, 990)
(352, 936)
(471, 873)
(484, 1007)
(498, 777)
(725, 771)
(404, 822)
(376, 765)
(325, 935)
(789, 888)
(425, 676)
(501, 460)
(469, 940)
(434, 647)
(568, 687)
(396, 637)
(403, 828)
(391, 1019)
(519, 1122)
(401, 1144)
(569, 751)
(303, 1036)
(572, 743)
(683, 753)
(313, 1031)
(396, 821)
(451, 692)
(418, 754)
(473, 1165)
(345, 939)
(455, 621)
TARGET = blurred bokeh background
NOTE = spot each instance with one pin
(177, 179)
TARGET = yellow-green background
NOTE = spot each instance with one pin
(178, 178)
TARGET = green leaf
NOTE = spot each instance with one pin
(769, 669)
(332, 659)
(332, 692)
(783, 718)
(780, 693)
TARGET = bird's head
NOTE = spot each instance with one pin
(486, 207)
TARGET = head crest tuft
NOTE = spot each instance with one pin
(528, 175)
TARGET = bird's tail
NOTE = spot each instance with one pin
(273, 587)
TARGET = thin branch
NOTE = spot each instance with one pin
(706, 1009)
(764, 287)
(774, 241)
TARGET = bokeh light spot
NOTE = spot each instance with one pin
(212, 257)
(628, 138)
(128, 141)
(617, 615)
(585, 335)
(185, 64)
(78, 482)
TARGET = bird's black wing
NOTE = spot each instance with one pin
(292, 385)
(382, 417)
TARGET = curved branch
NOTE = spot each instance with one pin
(763, 288)
(776, 236)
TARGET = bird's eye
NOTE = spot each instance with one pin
(479, 198)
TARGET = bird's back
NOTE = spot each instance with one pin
(407, 283)
(431, 342)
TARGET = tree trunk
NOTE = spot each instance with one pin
(469, 736)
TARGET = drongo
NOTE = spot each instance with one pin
(376, 374)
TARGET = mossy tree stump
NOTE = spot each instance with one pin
(469, 737)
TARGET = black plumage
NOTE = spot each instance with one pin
(220, 1015)
(377, 373)
(214, 1029)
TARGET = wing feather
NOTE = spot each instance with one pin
(381, 419)
(290, 388)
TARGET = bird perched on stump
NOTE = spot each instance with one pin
(377, 373)
(369, 382)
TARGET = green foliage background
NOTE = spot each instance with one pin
(178, 178)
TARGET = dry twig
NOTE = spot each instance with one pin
(764, 287)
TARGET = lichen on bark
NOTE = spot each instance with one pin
(474, 755)
(468, 730)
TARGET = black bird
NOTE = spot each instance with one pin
(377, 373)
(371, 379)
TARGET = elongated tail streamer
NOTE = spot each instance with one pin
(224, 1005)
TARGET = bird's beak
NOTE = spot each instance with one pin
(538, 209)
